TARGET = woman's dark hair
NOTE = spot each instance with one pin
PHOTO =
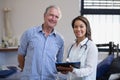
(85, 20)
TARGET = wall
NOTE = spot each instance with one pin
(28, 13)
(2, 2)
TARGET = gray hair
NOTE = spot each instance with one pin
(56, 7)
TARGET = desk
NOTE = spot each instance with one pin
(8, 56)
(8, 49)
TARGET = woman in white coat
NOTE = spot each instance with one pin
(82, 50)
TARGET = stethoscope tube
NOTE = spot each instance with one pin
(80, 48)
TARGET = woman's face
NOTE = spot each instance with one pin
(79, 29)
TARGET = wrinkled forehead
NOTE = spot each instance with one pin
(53, 10)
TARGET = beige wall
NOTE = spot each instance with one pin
(28, 13)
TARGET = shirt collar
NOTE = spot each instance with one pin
(40, 30)
(84, 41)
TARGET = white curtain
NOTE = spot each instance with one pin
(105, 28)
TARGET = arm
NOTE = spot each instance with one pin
(60, 53)
(21, 60)
(22, 50)
(90, 63)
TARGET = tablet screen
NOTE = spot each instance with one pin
(68, 64)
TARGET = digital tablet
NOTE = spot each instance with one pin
(68, 64)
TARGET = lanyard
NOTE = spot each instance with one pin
(80, 48)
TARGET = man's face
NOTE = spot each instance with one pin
(51, 17)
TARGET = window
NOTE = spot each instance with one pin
(104, 17)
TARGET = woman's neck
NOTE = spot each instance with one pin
(79, 40)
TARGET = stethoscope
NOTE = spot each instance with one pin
(67, 60)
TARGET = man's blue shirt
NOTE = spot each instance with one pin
(40, 53)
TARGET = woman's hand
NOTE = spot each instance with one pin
(65, 70)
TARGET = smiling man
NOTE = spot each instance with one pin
(41, 47)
